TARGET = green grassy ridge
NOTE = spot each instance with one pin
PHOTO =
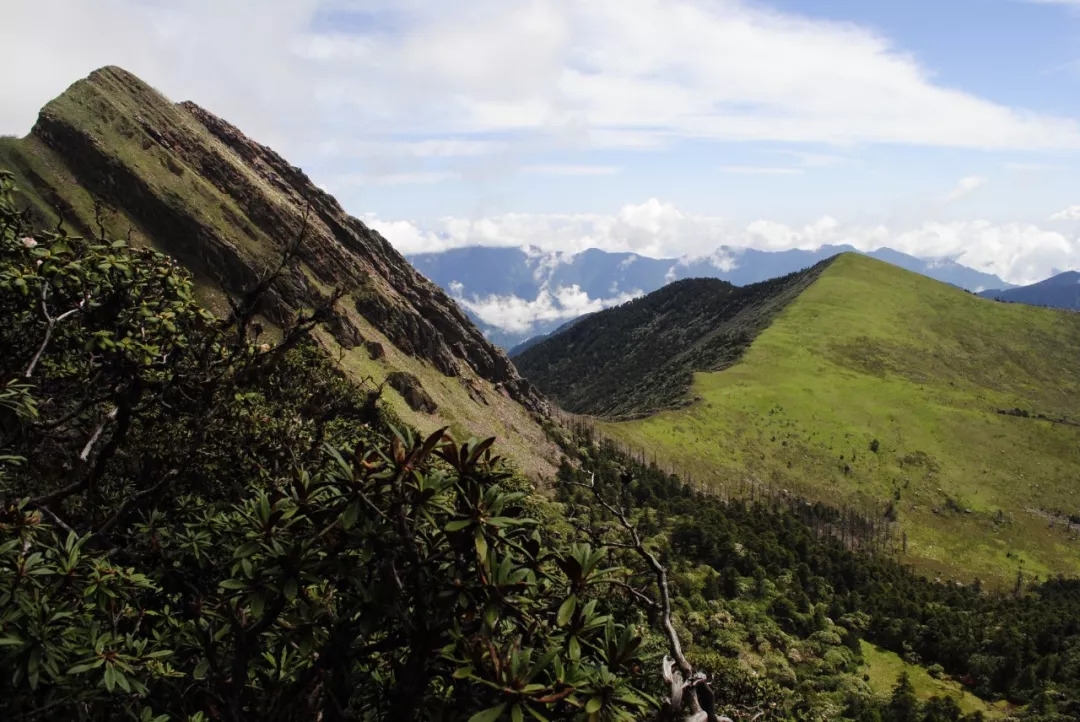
(640, 357)
(882, 669)
(870, 351)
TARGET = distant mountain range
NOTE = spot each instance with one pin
(533, 340)
(1060, 291)
(514, 294)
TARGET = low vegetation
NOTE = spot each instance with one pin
(777, 605)
(197, 523)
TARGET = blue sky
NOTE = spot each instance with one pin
(939, 127)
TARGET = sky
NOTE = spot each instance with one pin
(941, 128)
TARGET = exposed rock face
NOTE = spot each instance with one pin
(227, 206)
(412, 391)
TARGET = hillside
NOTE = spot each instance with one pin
(179, 179)
(870, 352)
(640, 357)
(1060, 291)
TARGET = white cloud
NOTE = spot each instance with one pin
(1017, 252)
(426, 177)
(966, 186)
(1072, 213)
(557, 169)
(625, 73)
(760, 170)
(1032, 167)
(431, 148)
(518, 315)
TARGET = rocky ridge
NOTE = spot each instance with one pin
(196, 187)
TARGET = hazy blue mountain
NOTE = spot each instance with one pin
(533, 340)
(487, 278)
(1060, 291)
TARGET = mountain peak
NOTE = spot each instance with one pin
(184, 181)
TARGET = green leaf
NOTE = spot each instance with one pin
(490, 714)
(481, 544)
(86, 666)
(122, 680)
(201, 668)
(566, 610)
(352, 512)
(593, 705)
(457, 525)
(516, 715)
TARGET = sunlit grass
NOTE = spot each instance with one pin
(874, 352)
(883, 668)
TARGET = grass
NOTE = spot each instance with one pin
(520, 438)
(870, 351)
(883, 668)
(639, 358)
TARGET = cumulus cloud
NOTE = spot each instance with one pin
(1017, 252)
(966, 186)
(519, 315)
(1072, 213)
(610, 73)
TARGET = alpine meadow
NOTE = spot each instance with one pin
(683, 361)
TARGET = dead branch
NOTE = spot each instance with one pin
(701, 702)
(50, 323)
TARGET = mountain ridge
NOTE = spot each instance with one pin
(180, 179)
(638, 358)
(525, 274)
(877, 387)
(1059, 291)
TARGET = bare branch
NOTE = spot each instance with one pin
(50, 322)
(701, 701)
(85, 453)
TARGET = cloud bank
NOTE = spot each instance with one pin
(414, 80)
(1019, 253)
(519, 315)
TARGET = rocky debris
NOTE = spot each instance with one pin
(473, 389)
(228, 206)
(412, 391)
(375, 350)
(345, 331)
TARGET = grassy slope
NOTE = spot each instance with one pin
(639, 358)
(870, 351)
(883, 669)
(520, 438)
(105, 111)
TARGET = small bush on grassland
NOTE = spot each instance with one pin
(199, 525)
